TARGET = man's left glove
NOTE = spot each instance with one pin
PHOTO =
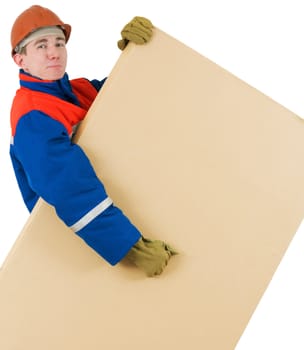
(139, 31)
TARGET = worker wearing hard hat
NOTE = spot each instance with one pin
(45, 112)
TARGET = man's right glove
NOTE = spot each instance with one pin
(151, 256)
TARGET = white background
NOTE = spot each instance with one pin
(260, 41)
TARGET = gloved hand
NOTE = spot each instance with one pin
(151, 256)
(139, 31)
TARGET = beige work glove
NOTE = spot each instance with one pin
(151, 256)
(139, 31)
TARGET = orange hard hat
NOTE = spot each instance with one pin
(33, 18)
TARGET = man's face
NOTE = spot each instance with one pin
(45, 57)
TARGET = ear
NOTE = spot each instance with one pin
(18, 59)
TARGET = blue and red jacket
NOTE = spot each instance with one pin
(49, 165)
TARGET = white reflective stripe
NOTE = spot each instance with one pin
(12, 140)
(91, 214)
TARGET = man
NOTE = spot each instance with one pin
(45, 113)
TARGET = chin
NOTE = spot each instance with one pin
(54, 76)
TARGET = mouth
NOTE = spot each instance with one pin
(55, 66)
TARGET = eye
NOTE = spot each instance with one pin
(41, 46)
(60, 44)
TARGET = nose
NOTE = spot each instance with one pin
(53, 51)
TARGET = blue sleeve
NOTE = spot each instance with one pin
(98, 83)
(59, 171)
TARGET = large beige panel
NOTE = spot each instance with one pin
(194, 156)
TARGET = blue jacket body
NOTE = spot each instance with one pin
(49, 165)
